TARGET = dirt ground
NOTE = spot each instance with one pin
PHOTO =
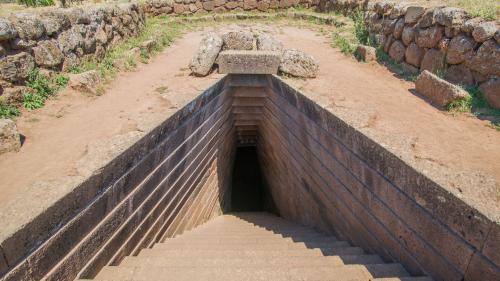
(75, 134)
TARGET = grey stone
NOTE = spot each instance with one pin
(209, 48)
(491, 92)
(450, 17)
(248, 62)
(237, 40)
(9, 137)
(366, 53)
(487, 59)
(70, 61)
(28, 26)
(433, 61)
(460, 49)
(298, 64)
(51, 25)
(7, 30)
(69, 40)
(267, 42)
(408, 35)
(414, 55)
(47, 54)
(439, 91)
(23, 45)
(413, 14)
(16, 67)
(85, 82)
(459, 74)
(397, 51)
(484, 31)
(429, 37)
(469, 25)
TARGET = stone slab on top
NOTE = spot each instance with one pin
(248, 62)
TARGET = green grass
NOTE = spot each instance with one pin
(476, 105)
(36, 3)
(487, 9)
(41, 88)
(8, 111)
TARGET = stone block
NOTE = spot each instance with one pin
(9, 137)
(439, 91)
(248, 62)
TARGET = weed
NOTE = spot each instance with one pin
(8, 111)
(476, 105)
(32, 101)
(36, 3)
(40, 83)
(342, 43)
(360, 28)
(61, 81)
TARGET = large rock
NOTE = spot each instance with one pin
(450, 17)
(437, 90)
(209, 48)
(28, 26)
(414, 55)
(298, 64)
(69, 40)
(398, 28)
(48, 54)
(460, 49)
(427, 19)
(9, 137)
(491, 92)
(413, 14)
(459, 74)
(429, 37)
(366, 53)
(51, 25)
(471, 24)
(237, 40)
(484, 31)
(15, 68)
(7, 31)
(408, 35)
(267, 42)
(487, 59)
(249, 62)
(433, 61)
(85, 82)
(397, 51)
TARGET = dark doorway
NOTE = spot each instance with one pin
(248, 191)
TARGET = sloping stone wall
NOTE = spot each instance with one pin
(58, 39)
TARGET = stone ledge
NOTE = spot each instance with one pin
(248, 62)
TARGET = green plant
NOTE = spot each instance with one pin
(360, 28)
(36, 3)
(60, 81)
(33, 101)
(8, 111)
(40, 83)
(343, 44)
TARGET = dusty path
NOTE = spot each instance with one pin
(72, 135)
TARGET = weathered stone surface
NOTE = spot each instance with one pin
(484, 31)
(48, 54)
(249, 4)
(14, 95)
(15, 68)
(460, 49)
(388, 42)
(444, 44)
(408, 68)
(414, 55)
(267, 42)
(438, 90)
(471, 24)
(408, 35)
(148, 45)
(86, 82)
(101, 36)
(398, 28)
(399, 10)
(413, 14)
(491, 92)
(459, 74)
(70, 61)
(298, 64)
(450, 17)
(388, 26)
(429, 37)
(383, 7)
(248, 62)
(9, 137)
(427, 19)
(397, 51)
(366, 53)
(487, 59)
(2, 51)
(51, 25)
(209, 48)
(237, 40)
(433, 61)
(7, 31)
(69, 40)
(28, 26)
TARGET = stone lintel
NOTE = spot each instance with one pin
(248, 62)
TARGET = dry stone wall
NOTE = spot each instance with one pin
(58, 39)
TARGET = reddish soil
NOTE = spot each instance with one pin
(75, 134)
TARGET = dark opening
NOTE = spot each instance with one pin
(248, 192)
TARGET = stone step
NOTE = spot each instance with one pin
(241, 246)
(250, 239)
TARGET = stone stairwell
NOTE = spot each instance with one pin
(254, 246)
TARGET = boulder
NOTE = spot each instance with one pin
(14, 95)
(491, 92)
(429, 37)
(28, 26)
(7, 30)
(459, 74)
(267, 42)
(209, 48)
(408, 35)
(414, 55)
(397, 51)
(413, 14)
(298, 64)
(47, 54)
(85, 82)
(427, 19)
(450, 17)
(484, 31)
(460, 49)
(69, 40)
(16, 67)
(398, 28)
(437, 90)
(51, 25)
(487, 59)
(471, 24)
(237, 40)
(9, 137)
(433, 61)
(366, 53)
(70, 61)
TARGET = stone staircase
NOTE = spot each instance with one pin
(254, 246)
